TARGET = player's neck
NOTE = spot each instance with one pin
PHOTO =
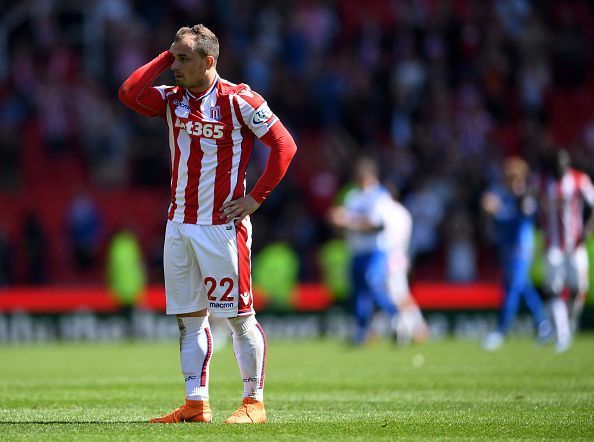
(369, 184)
(204, 86)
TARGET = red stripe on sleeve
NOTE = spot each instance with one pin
(282, 149)
(136, 92)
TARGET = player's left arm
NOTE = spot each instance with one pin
(258, 117)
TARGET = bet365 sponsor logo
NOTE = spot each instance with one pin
(205, 130)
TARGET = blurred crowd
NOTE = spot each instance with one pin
(438, 92)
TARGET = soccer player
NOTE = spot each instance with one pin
(212, 124)
(563, 192)
(364, 217)
(410, 324)
(513, 209)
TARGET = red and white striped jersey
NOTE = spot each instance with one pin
(562, 208)
(210, 139)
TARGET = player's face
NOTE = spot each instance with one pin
(516, 183)
(189, 67)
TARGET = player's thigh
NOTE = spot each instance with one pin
(358, 269)
(223, 254)
(555, 271)
(376, 276)
(577, 270)
(363, 305)
(518, 272)
(182, 274)
(398, 285)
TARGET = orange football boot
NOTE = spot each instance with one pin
(191, 411)
(250, 412)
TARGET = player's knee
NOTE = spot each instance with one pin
(241, 324)
(192, 323)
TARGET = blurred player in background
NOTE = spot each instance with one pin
(410, 325)
(212, 124)
(512, 209)
(563, 193)
(364, 217)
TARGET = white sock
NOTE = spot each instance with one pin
(416, 316)
(195, 344)
(561, 318)
(250, 347)
(577, 306)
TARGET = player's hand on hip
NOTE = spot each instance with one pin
(238, 209)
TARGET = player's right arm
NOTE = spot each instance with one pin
(343, 218)
(136, 92)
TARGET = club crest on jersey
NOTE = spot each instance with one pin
(215, 113)
(262, 114)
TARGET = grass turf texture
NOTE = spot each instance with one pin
(321, 390)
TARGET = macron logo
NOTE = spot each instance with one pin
(245, 297)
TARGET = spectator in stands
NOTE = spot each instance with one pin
(35, 249)
(84, 228)
(6, 258)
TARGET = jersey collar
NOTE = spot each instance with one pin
(208, 91)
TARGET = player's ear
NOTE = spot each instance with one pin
(210, 61)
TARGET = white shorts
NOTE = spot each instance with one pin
(567, 269)
(208, 267)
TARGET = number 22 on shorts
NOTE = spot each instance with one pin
(211, 285)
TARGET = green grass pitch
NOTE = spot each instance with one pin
(315, 390)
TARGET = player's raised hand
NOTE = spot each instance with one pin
(238, 209)
(491, 203)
